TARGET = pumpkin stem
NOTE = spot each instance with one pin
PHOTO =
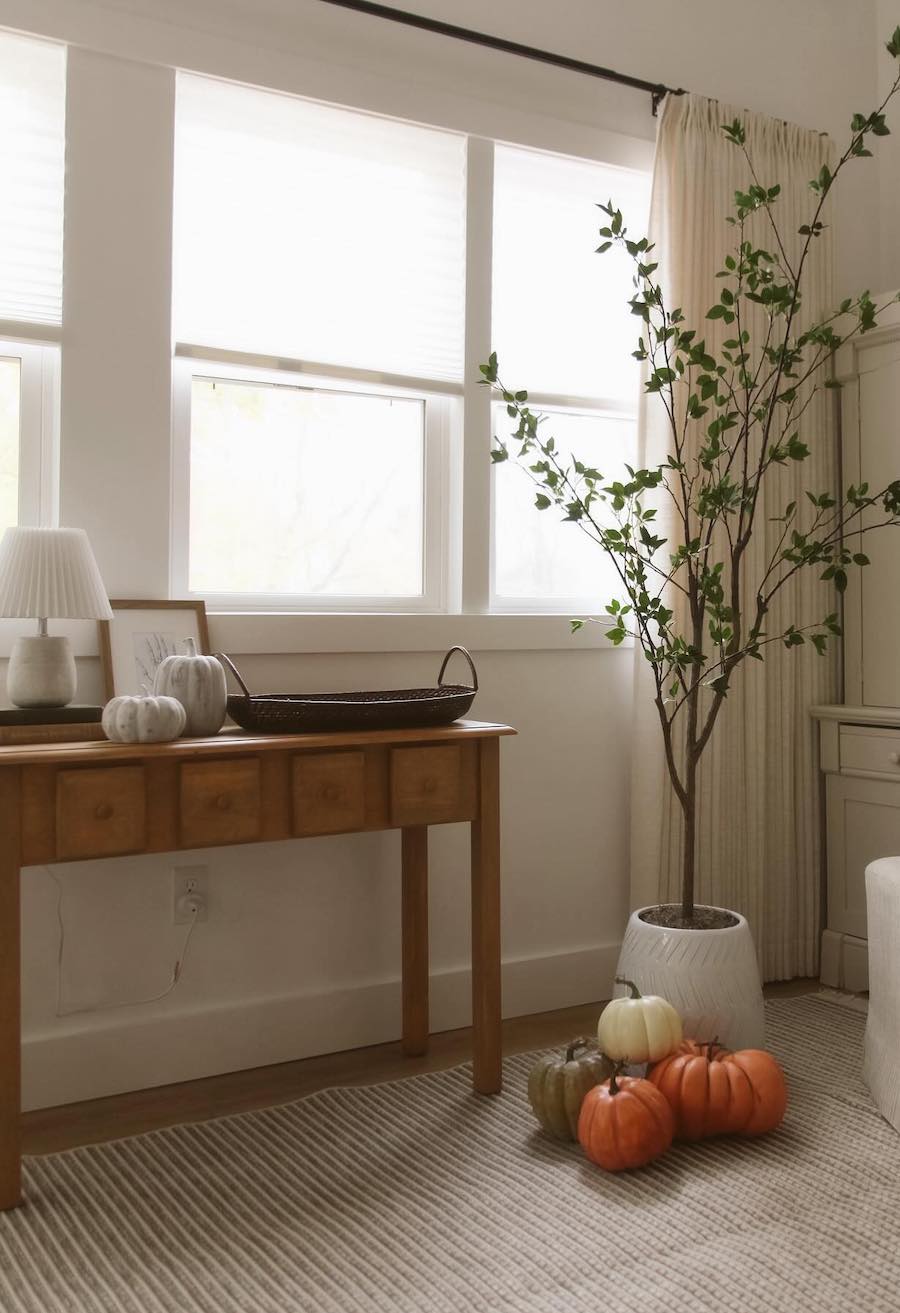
(617, 1071)
(190, 647)
(582, 1042)
(635, 992)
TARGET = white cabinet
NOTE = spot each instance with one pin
(861, 762)
(860, 741)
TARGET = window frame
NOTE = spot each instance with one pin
(441, 432)
(573, 605)
(39, 376)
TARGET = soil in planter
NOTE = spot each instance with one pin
(668, 915)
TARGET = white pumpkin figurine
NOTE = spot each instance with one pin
(198, 683)
(639, 1028)
(143, 719)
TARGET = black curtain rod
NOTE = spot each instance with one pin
(657, 90)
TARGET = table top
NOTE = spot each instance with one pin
(230, 742)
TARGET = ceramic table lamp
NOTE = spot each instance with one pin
(47, 574)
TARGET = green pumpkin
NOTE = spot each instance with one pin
(557, 1085)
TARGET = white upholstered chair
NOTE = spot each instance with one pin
(881, 1067)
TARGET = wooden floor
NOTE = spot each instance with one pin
(52, 1129)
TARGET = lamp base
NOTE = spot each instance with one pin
(41, 672)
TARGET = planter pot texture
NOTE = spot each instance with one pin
(710, 976)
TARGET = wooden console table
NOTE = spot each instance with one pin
(76, 801)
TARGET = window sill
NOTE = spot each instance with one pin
(273, 633)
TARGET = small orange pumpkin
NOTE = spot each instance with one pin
(714, 1092)
(625, 1122)
(707, 1094)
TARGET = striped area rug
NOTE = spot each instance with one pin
(418, 1196)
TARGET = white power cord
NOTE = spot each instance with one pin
(109, 1007)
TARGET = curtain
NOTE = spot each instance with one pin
(758, 837)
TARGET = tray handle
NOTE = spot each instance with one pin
(234, 670)
(444, 667)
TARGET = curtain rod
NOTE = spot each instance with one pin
(657, 90)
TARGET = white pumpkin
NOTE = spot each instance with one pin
(143, 720)
(198, 683)
(638, 1029)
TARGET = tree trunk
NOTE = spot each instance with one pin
(689, 855)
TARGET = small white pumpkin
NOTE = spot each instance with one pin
(198, 683)
(638, 1029)
(143, 720)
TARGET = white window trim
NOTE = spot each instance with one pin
(441, 444)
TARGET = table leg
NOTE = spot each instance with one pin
(10, 991)
(414, 847)
(487, 1058)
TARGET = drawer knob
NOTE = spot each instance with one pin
(330, 792)
(103, 811)
(223, 802)
(894, 758)
(429, 784)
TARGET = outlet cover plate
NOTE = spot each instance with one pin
(188, 880)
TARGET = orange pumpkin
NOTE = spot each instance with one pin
(708, 1095)
(624, 1123)
(769, 1089)
(714, 1092)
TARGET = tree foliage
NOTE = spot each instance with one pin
(734, 416)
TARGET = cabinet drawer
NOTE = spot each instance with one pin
(329, 792)
(100, 813)
(429, 785)
(864, 747)
(220, 802)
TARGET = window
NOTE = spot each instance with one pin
(325, 422)
(297, 490)
(32, 163)
(562, 330)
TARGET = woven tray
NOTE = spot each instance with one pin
(396, 708)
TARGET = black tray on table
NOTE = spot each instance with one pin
(311, 713)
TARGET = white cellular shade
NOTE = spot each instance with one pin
(317, 233)
(561, 322)
(32, 162)
(50, 573)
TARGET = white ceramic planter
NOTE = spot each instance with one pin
(710, 976)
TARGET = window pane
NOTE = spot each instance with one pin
(538, 555)
(299, 491)
(561, 321)
(9, 442)
(316, 233)
(32, 156)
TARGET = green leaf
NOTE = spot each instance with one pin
(542, 502)
(576, 625)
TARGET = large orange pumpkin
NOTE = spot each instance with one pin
(769, 1089)
(625, 1122)
(714, 1092)
(707, 1094)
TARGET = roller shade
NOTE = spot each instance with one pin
(32, 169)
(317, 233)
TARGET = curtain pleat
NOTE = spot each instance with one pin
(758, 841)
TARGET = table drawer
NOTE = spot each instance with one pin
(865, 747)
(429, 785)
(220, 802)
(100, 813)
(329, 792)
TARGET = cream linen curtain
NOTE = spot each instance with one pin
(758, 839)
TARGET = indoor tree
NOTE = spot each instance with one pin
(733, 416)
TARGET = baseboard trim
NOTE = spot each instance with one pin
(102, 1054)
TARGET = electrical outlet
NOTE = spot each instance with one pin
(190, 888)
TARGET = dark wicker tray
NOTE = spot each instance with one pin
(398, 708)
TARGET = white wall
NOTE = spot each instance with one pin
(301, 950)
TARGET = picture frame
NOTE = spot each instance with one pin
(141, 633)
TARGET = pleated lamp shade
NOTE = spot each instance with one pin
(50, 573)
